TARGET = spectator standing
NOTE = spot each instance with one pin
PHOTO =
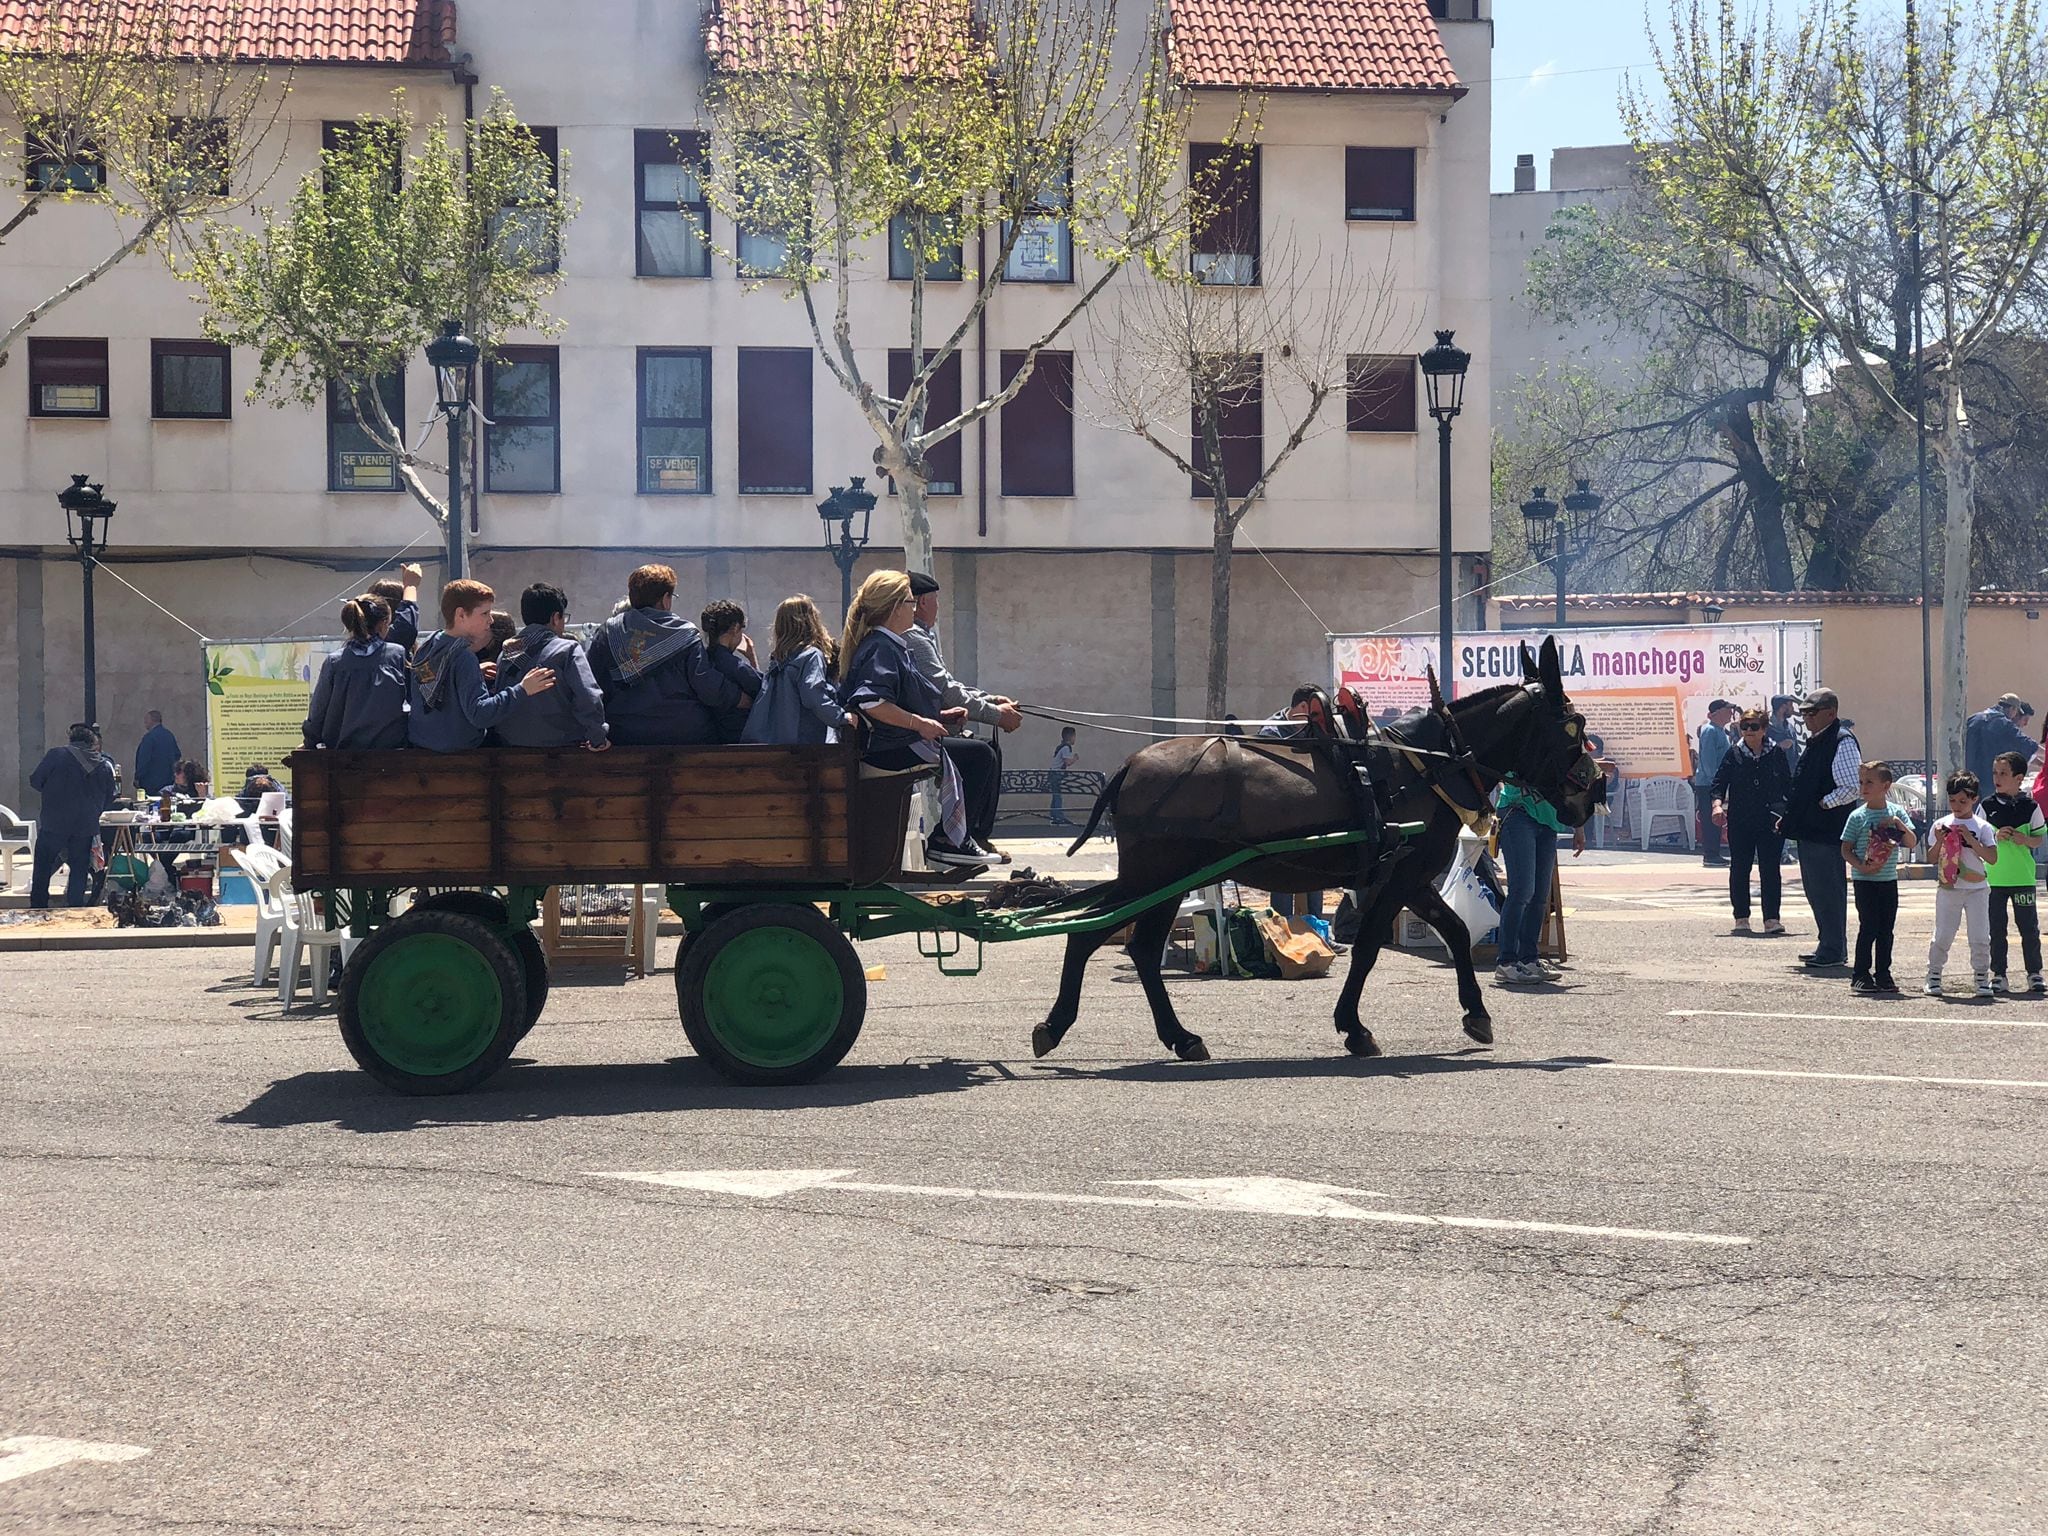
(156, 755)
(1962, 843)
(1824, 789)
(1528, 841)
(77, 783)
(2020, 827)
(1783, 731)
(1748, 799)
(1711, 746)
(1871, 839)
(1063, 758)
(1995, 730)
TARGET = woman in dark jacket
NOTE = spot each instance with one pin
(1749, 797)
(359, 702)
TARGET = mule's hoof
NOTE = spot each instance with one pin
(1359, 1042)
(1479, 1027)
(1043, 1040)
(1192, 1049)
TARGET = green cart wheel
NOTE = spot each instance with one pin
(771, 993)
(492, 912)
(433, 1003)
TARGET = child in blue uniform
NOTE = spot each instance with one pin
(359, 702)
(572, 712)
(453, 706)
(660, 688)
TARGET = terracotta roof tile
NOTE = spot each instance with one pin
(391, 32)
(747, 34)
(1311, 45)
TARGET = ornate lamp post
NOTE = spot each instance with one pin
(1561, 541)
(1443, 372)
(453, 358)
(86, 515)
(844, 504)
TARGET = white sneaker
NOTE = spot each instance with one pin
(1997, 985)
(1512, 973)
(1549, 970)
(1933, 987)
(1984, 987)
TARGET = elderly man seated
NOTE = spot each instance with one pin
(982, 708)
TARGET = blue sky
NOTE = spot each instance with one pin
(1556, 76)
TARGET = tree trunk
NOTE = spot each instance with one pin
(911, 506)
(1222, 546)
(1766, 497)
(1959, 465)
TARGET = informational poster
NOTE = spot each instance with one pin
(1644, 691)
(257, 695)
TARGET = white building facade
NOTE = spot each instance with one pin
(681, 416)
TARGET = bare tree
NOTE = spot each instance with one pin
(1181, 361)
(131, 105)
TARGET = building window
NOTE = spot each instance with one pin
(942, 268)
(1237, 385)
(55, 165)
(767, 253)
(67, 378)
(1379, 184)
(775, 421)
(200, 147)
(1038, 427)
(335, 137)
(355, 460)
(1044, 252)
(941, 404)
(1380, 394)
(673, 218)
(523, 399)
(675, 421)
(1224, 179)
(188, 381)
(521, 226)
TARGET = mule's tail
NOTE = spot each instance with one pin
(1106, 801)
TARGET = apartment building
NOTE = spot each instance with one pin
(681, 414)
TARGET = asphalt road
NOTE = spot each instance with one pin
(320, 1308)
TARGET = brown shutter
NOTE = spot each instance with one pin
(942, 403)
(1038, 427)
(1379, 184)
(1380, 396)
(775, 421)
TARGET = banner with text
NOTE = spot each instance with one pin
(1644, 691)
(257, 695)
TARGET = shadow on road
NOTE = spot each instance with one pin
(353, 1101)
(1422, 1064)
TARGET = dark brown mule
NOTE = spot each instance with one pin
(1191, 801)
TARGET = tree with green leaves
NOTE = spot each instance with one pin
(1886, 190)
(402, 226)
(115, 104)
(1182, 363)
(1043, 133)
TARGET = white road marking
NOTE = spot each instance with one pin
(1283, 1197)
(1977, 1014)
(22, 1455)
(1844, 1077)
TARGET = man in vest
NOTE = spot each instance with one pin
(1823, 793)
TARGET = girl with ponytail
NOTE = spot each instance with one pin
(359, 702)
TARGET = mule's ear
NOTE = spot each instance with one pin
(1528, 663)
(1436, 694)
(1552, 671)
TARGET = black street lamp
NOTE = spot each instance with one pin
(453, 358)
(86, 514)
(842, 506)
(1443, 372)
(1561, 542)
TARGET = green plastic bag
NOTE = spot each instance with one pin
(1248, 943)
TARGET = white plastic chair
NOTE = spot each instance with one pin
(1664, 797)
(271, 877)
(308, 939)
(284, 831)
(17, 841)
(1209, 899)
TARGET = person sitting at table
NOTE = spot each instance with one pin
(451, 707)
(906, 723)
(730, 651)
(572, 712)
(190, 774)
(659, 686)
(403, 597)
(359, 701)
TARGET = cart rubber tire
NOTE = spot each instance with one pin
(432, 1003)
(713, 911)
(533, 960)
(492, 911)
(771, 993)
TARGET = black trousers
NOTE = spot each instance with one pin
(1877, 914)
(2026, 917)
(74, 851)
(981, 780)
(1710, 835)
(1762, 847)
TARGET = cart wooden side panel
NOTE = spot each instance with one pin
(549, 816)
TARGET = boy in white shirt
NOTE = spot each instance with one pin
(1960, 843)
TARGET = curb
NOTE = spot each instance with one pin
(132, 938)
